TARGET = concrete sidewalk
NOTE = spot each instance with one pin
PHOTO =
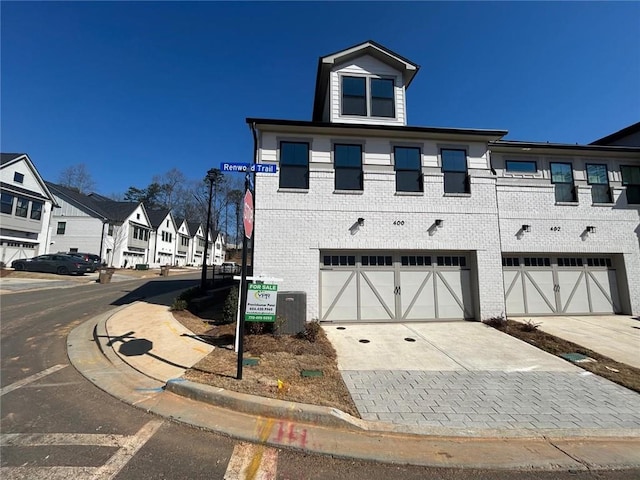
(139, 352)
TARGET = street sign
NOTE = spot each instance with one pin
(248, 214)
(248, 167)
(261, 302)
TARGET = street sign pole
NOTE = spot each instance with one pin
(243, 280)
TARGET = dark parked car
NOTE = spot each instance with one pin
(53, 263)
(94, 260)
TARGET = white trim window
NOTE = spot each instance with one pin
(368, 96)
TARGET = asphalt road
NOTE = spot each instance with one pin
(55, 424)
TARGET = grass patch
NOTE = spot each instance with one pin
(617, 372)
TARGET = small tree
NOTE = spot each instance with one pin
(77, 177)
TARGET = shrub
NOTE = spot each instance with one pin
(230, 309)
(179, 305)
(499, 322)
(311, 331)
(189, 294)
(530, 326)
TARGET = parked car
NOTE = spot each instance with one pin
(59, 263)
(229, 267)
(94, 260)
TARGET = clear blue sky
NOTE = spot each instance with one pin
(135, 89)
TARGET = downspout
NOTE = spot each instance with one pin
(255, 161)
(104, 222)
(495, 174)
(155, 247)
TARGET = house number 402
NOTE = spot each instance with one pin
(555, 229)
(398, 222)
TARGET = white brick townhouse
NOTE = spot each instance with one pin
(378, 221)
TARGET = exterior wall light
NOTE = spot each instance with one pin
(591, 229)
(361, 222)
(526, 228)
(439, 223)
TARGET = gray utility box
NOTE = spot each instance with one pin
(292, 308)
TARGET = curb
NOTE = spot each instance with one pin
(328, 431)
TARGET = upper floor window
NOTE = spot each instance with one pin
(110, 230)
(18, 177)
(62, 227)
(347, 160)
(380, 102)
(408, 168)
(454, 167)
(562, 177)
(22, 205)
(521, 166)
(598, 178)
(631, 179)
(36, 210)
(294, 165)
(6, 203)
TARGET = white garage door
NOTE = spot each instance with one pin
(374, 287)
(560, 285)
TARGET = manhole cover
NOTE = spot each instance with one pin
(364, 340)
(409, 339)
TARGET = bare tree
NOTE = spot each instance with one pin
(116, 237)
(77, 177)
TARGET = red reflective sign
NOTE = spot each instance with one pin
(248, 214)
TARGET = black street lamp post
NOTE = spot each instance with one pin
(211, 177)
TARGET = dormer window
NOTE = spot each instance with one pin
(368, 97)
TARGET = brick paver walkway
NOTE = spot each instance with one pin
(494, 400)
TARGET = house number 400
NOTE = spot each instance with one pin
(398, 222)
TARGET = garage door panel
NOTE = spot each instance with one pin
(539, 290)
(449, 288)
(514, 293)
(574, 296)
(604, 291)
(418, 299)
(377, 298)
(339, 295)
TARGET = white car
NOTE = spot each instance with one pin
(230, 267)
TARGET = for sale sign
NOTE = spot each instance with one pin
(261, 303)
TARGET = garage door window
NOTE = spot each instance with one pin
(510, 262)
(537, 262)
(599, 262)
(415, 260)
(338, 260)
(570, 262)
(377, 260)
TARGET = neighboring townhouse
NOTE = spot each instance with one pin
(26, 206)
(197, 243)
(218, 247)
(378, 221)
(183, 243)
(117, 231)
(162, 244)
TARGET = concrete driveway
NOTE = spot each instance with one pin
(615, 336)
(436, 346)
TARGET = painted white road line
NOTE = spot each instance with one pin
(47, 473)
(28, 380)
(128, 449)
(252, 462)
(61, 439)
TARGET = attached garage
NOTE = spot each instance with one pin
(395, 286)
(567, 285)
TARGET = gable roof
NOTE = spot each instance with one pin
(327, 62)
(156, 217)
(620, 134)
(193, 227)
(104, 209)
(7, 159)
